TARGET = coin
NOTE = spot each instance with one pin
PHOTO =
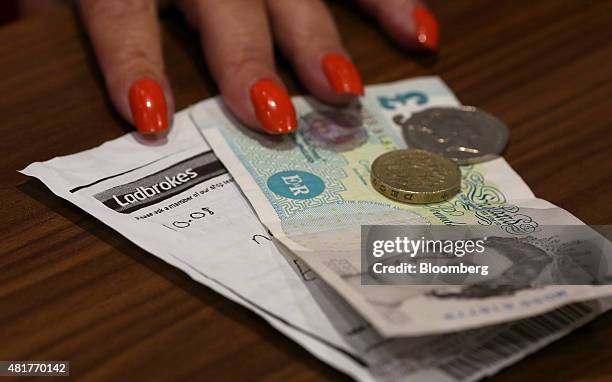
(415, 176)
(464, 134)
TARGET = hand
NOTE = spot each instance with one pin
(237, 38)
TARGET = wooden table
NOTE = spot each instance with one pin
(72, 289)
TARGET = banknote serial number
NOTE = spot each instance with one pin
(34, 368)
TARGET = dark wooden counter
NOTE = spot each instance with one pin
(72, 289)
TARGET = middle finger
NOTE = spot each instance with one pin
(237, 44)
(307, 35)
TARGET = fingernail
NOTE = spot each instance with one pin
(342, 74)
(148, 105)
(273, 107)
(426, 27)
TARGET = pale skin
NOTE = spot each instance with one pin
(237, 38)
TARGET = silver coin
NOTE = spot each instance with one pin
(464, 134)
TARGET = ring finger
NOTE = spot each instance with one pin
(307, 35)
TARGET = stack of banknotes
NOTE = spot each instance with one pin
(209, 202)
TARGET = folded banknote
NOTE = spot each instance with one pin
(312, 191)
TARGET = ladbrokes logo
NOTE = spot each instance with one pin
(163, 184)
(143, 193)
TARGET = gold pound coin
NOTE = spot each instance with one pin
(415, 176)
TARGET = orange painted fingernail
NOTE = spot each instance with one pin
(342, 74)
(148, 105)
(273, 107)
(426, 27)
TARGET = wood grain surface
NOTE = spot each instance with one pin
(72, 289)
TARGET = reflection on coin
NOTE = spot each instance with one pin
(464, 134)
(415, 176)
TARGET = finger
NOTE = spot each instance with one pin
(307, 35)
(126, 38)
(409, 22)
(237, 44)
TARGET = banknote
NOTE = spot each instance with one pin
(312, 191)
(270, 280)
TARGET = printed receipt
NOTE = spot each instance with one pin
(177, 201)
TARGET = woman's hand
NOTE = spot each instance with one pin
(237, 38)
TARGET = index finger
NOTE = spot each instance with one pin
(126, 38)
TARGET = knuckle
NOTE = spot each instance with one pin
(135, 55)
(242, 63)
(130, 62)
(235, 70)
(240, 55)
